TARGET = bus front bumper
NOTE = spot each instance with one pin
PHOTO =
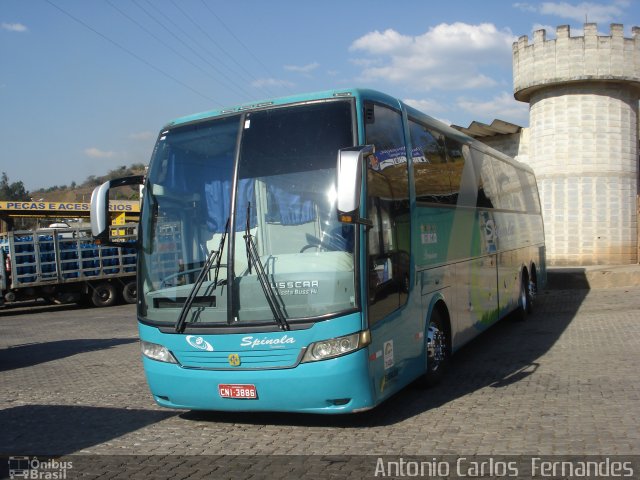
(339, 385)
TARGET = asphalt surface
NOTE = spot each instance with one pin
(563, 382)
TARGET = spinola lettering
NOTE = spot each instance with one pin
(273, 342)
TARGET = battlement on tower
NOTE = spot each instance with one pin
(567, 59)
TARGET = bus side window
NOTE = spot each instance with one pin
(487, 193)
(388, 209)
(509, 187)
(429, 164)
(455, 168)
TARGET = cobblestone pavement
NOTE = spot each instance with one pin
(564, 382)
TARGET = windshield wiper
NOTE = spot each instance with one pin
(214, 256)
(267, 288)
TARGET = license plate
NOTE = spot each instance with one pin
(246, 392)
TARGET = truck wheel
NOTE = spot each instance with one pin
(130, 292)
(104, 295)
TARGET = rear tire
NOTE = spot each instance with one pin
(130, 292)
(437, 351)
(104, 295)
(525, 297)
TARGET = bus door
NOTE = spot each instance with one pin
(388, 244)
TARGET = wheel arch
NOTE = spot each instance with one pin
(439, 304)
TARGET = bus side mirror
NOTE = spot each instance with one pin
(100, 206)
(351, 161)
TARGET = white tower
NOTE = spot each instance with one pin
(583, 94)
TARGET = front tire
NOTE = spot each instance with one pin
(437, 351)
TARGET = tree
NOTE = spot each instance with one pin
(13, 191)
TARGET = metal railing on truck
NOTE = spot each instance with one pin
(56, 257)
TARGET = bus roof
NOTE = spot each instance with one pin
(304, 97)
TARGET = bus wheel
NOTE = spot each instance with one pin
(437, 350)
(104, 295)
(129, 292)
(525, 298)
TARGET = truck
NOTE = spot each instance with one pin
(65, 265)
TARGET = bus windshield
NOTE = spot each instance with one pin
(272, 174)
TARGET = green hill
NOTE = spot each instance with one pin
(82, 192)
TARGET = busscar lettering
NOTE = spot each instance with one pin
(296, 287)
(296, 284)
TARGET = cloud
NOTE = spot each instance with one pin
(551, 30)
(14, 27)
(429, 107)
(366, 62)
(525, 7)
(94, 152)
(304, 69)
(142, 136)
(502, 106)
(426, 106)
(271, 82)
(388, 42)
(447, 56)
(593, 12)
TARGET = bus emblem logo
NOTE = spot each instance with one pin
(199, 343)
(234, 360)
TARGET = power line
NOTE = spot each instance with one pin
(129, 52)
(248, 74)
(232, 84)
(165, 44)
(256, 58)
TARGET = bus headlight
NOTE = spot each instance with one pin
(335, 347)
(157, 352)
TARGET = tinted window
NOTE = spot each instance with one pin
(455, 167)
(530, 191)
(487, 196)
(509, 187)
(388, 210)
(437, 165)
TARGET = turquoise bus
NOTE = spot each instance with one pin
(318, 253)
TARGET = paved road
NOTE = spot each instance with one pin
(565, 382)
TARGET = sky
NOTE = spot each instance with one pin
(86, 85)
